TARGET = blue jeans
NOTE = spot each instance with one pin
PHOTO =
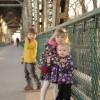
(30, 73)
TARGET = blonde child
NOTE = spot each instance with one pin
(62, 67)
(59, 36)
(29, 57)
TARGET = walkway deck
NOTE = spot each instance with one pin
(12, 79)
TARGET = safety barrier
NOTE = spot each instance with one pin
(84, 34)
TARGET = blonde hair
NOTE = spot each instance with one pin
(60, 31)
(67, 45)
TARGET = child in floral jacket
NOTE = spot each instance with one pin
(59, 36)
(62, 67)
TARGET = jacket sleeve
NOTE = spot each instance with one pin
(49, 50)
(70, 66)
(35, 49)
(25, 46)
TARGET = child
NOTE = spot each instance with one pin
(62, 64)
(60, 36)
(29, 57)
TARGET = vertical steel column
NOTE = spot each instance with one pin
(57, 11)
(24, 17)
(49, 14)
(38, 16)
(42, 15)
(66, 10)
(34, 7)
(61, 15)
(29, 11)
(45, 14)
(54, 13)
(32, 13)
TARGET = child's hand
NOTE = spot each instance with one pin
(37, 66)
(48, 59)
(22, 60)
(62, 60)
(58, 63)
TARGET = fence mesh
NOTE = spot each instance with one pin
(85, 39)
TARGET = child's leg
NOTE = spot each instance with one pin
(44, 89)
(55, 90)
(31, 69)
(27, 76)
(60, 92)
(67, 92)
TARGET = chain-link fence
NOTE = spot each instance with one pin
(84, 34)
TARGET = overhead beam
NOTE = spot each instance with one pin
(18, 1)
(10, 5)
(9, 0)
(13, 26)
(12, 1)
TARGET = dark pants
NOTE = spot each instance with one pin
(30, 73)
(64, 92)
(17, 44)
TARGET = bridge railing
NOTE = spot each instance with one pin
(4, 44)
(84, 34)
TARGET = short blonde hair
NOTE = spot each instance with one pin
(60, 31)
(67, 45)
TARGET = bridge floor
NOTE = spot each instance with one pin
(12, 79)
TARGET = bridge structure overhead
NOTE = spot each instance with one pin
(48, 15)
(10, 11)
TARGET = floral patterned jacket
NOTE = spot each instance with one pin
(49, 50)
(62, 71)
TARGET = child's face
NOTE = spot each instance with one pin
(62, 51)
(31, 36)
(60, 39)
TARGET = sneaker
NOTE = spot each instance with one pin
(28, 88)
